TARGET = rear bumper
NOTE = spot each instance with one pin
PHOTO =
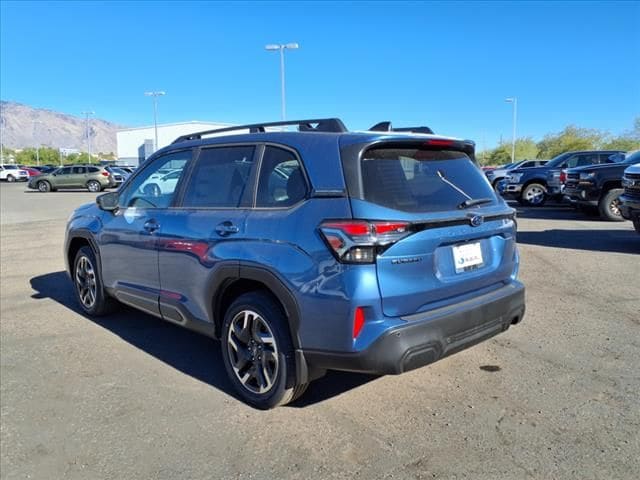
(428, 337)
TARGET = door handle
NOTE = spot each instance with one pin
(151, 226)
(226, 228)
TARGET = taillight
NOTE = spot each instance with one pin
(359, 241)
(439, 142)
(358, 322)
(563, 176)
(105, 174)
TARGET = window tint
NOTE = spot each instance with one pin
(64, 171)
(93, 169)
(156, 184)
(588, 159)
(281, 182)
(610, 157)
(220, 177)
(79, 170)
(415, 180)
(528, 164)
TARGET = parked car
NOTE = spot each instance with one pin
(630, 199)
(13, 173)
(307, 250)
(498, 174)
(31, 171)
(533, 186)
(119, 174)
(599, 186)
(91, 177)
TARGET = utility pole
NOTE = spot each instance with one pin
(513, 101)
(36, 139)
(87, 131)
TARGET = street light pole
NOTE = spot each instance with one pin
(37, 141)
(87, 132)
(514, 102)
(155, 96)
(281, 48)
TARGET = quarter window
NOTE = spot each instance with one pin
(220, 177)
(156, 185)
(281, 182)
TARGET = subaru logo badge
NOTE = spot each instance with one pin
(476, 221)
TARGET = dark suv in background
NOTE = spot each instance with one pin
(533, 186)
(600, 186)
(307, 250)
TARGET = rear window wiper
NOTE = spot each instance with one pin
(472, 202)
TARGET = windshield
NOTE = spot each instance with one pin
(555, 161)
(632, 157)
(416, 180)
(10, 167)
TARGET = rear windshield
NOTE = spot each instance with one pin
(417, 180)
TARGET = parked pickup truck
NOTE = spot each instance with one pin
(599, 186)
(630, 199)
(532, 187)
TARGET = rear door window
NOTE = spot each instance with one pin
(420, 180)
(220, 177)
(281, 182)
(79, 170)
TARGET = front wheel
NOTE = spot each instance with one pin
(94, 186)
(534, 195)
(11, 178)
(88, 284)
(609, 205)
(258, 352)
(44, 186)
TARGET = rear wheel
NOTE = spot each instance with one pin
(609, 205)
(258, 352)
(44, 186)
(636, 223)
(88, 284)
(534, 195)
(94, 186)
(11, 178)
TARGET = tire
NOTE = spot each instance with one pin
(94, 186)
(11, 178)
(88, 286)
(636, 223)
(43, 186)
(495, 184)
(258, 352)
(533, 195)
(609, 205)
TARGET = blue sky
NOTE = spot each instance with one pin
(443, 64)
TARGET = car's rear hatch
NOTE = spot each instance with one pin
(451, 251)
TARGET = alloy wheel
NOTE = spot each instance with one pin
(614, 207)
(253, 351)
(86, 282)
(534, 195)
(93, 186)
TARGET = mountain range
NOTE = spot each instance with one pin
(24, 126)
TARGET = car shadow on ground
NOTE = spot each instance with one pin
(597, 240)
(191, 353)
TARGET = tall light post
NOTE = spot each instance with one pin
(514, 102)
(87, 131)
(282, 48)
(36, 138)
(155, 96)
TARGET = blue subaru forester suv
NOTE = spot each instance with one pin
(306, 250)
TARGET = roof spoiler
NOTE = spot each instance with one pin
(387, 127)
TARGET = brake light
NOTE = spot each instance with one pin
(359, 241)
(563, 176)
(439, 142)
(358, 321)
(105, 174)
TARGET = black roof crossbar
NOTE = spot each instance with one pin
(386, 127)
(334, 125)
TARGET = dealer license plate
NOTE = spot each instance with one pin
(467, 257)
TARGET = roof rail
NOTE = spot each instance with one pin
(313, 125)
(386, 127)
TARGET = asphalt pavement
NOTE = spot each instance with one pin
(131, 397)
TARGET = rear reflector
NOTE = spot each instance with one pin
(358, 322)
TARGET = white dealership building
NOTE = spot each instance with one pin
(136, 144)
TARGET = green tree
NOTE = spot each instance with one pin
(629, 140)
(571, 138)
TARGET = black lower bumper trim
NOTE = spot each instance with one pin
(431, 336)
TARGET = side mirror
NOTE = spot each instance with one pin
(108, 201)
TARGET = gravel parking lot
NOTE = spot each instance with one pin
(129, 396)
